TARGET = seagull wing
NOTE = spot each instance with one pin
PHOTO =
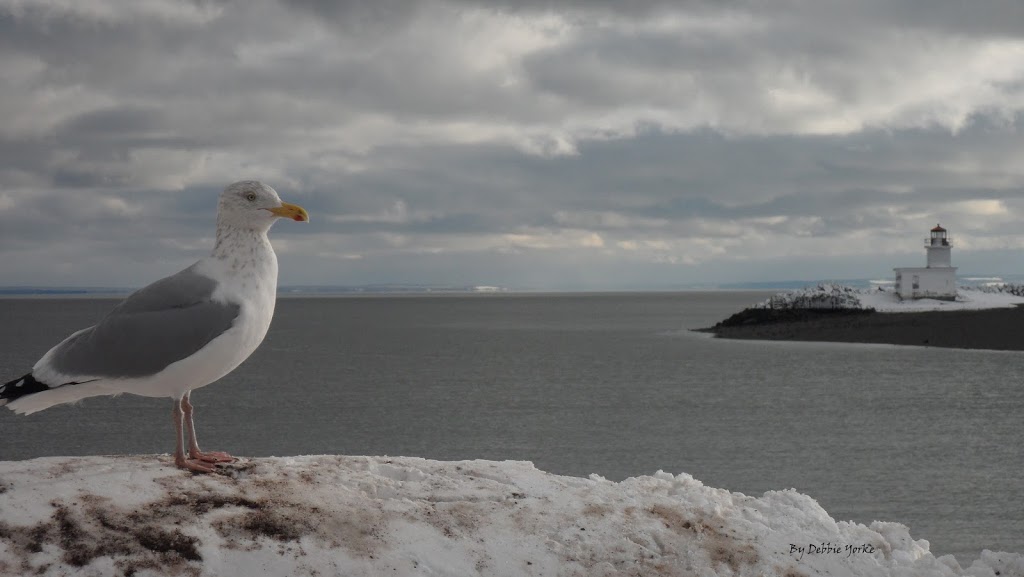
(156, 326)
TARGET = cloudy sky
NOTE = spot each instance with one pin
(563, 144)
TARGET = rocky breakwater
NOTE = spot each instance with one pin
(994, 329)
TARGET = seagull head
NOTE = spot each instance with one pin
(250, 204)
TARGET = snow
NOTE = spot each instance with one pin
(337, 515)
(968, 298)
(884, 299)
(489, 289)
(822, 296)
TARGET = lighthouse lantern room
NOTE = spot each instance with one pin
(937, 280)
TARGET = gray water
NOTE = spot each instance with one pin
(612, 384)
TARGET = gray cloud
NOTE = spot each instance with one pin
(559, 144)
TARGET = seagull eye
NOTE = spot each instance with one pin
(251, 197)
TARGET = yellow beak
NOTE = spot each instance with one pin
(292, 211)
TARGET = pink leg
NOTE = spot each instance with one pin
(179, 451)
(193, 444)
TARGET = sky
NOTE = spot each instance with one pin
(551, 145)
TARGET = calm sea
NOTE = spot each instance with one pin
(613, 384)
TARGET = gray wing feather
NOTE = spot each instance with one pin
(160, 324)
(179, 290)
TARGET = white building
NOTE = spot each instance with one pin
(937, 280)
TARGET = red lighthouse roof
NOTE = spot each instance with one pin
(938, 228)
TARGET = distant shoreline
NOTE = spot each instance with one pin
(993, 329)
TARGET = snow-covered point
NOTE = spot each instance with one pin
(822, 296)
(489, 289)
(884, 299)
(999, 287)
(334, 515)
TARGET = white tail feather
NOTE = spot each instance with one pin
(58, 396)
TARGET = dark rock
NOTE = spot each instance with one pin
(994, 329)
(759, 316)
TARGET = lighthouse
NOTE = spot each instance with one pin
(937, 280)
(938, 247)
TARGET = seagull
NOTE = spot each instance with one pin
(178, 334)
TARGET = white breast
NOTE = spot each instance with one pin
(250, 281)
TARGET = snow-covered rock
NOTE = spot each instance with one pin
(331, 515)
(998, 288)
(837, 296)
(822, 296)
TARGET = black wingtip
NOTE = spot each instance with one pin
(21, 387)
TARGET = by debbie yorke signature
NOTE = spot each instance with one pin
(829, 549)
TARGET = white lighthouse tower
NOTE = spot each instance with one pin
(935, 281)
(938, 246)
